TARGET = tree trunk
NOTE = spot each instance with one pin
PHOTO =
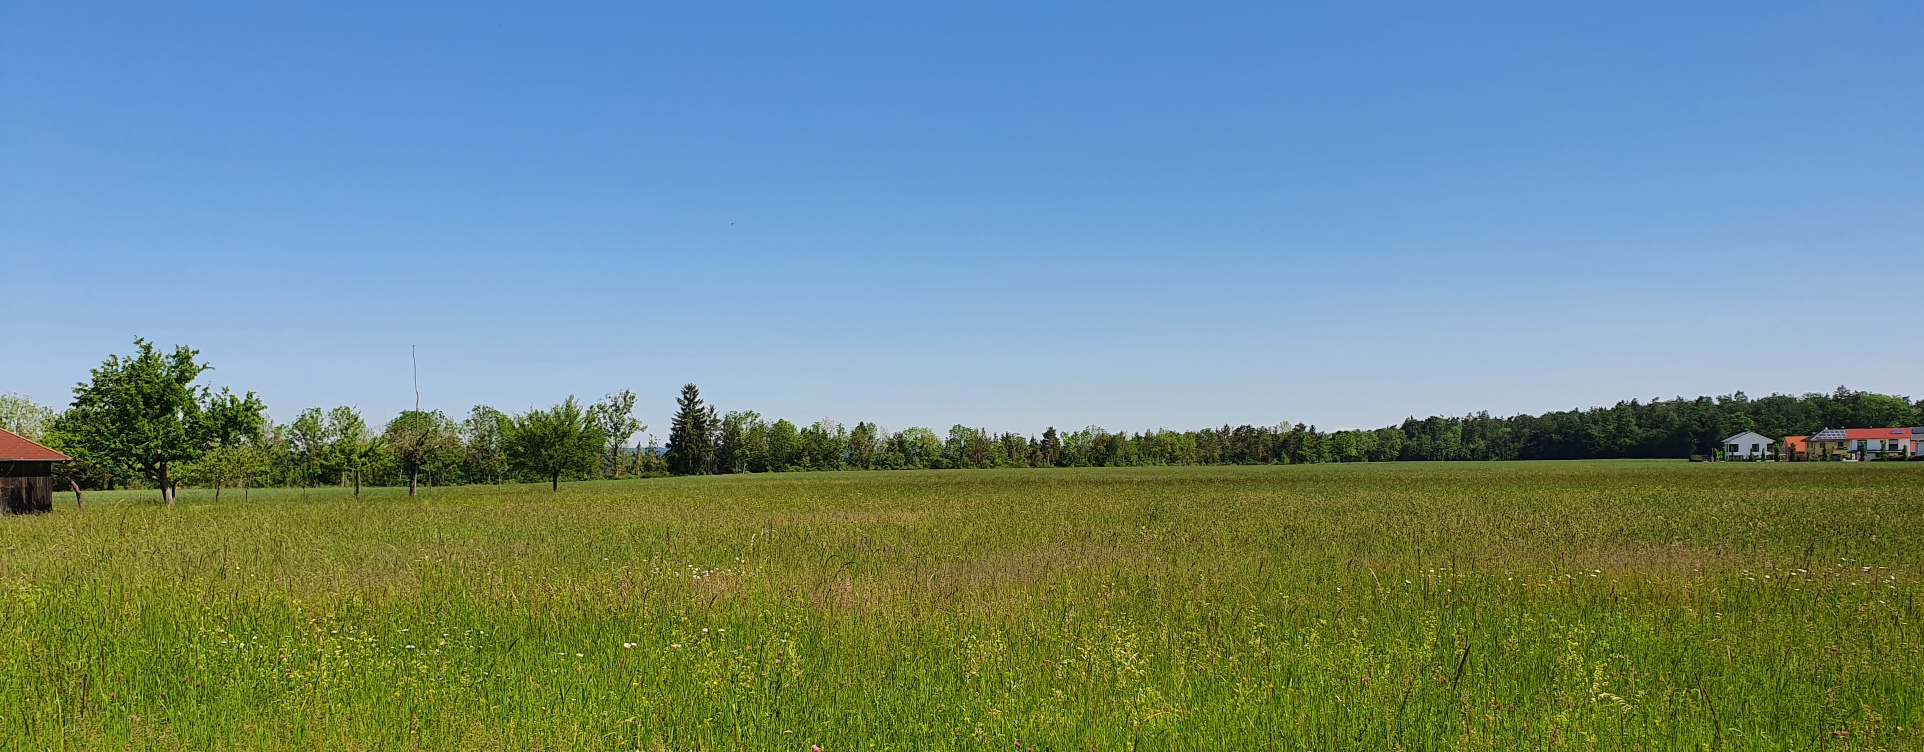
(166, 487)
(247, 490)
(357, 484)
(413, 479)
(557, 482)
(78, 502)
(216, 493)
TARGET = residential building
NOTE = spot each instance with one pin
(1865, 443)
(1747, 446)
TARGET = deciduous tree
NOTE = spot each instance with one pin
(420, 439)
(351, 446)
(615, 415)
(144, 413)
(555, 442)
(307, 436)
(484, 435)
(23, 416)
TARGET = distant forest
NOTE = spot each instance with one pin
(1673, 428)
(144, 421)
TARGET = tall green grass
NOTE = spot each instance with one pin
(1597, 605)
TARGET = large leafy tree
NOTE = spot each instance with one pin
(421, 439)
(21, 415)
(784, 446)
(351, 446)
(308, 436)
(561, 440)
(615, 415)
(485, 433)
(236, 433)
(864, 447)
(731, 436)
(143, 413)
(691, 441)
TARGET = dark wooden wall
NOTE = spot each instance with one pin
(17, 469)
(26, 487)
(21, 495)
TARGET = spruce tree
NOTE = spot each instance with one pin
(691, 443)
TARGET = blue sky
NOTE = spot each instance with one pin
(1006, 215)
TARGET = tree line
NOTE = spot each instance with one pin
(701, 442)
(144, 420)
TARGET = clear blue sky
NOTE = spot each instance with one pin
(1007, 215)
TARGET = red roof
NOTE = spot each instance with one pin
(13, 448)
(1877, 433)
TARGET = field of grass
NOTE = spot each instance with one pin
(1590, 605)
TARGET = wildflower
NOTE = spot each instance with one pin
(627, 645)
(578, 655)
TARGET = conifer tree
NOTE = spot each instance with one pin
(691, 442)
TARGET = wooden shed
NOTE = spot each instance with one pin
(26, 475)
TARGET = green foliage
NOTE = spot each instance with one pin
(1660, 428)
(484, 452)
(1466, 606)
(691, 438)
(308, 440)
(561, 440)
(731, 442)
(615, 416)
(421, 440)
(335, 447)
(145, 415)
(1664, 428)
(916, 448)
(864, 446)
(19, 414)
(351, 447)
(227, 466)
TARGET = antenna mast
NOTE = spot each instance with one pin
(417, 378)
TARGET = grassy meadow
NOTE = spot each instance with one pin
(1583, 605)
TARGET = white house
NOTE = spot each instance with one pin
(1748, 446)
